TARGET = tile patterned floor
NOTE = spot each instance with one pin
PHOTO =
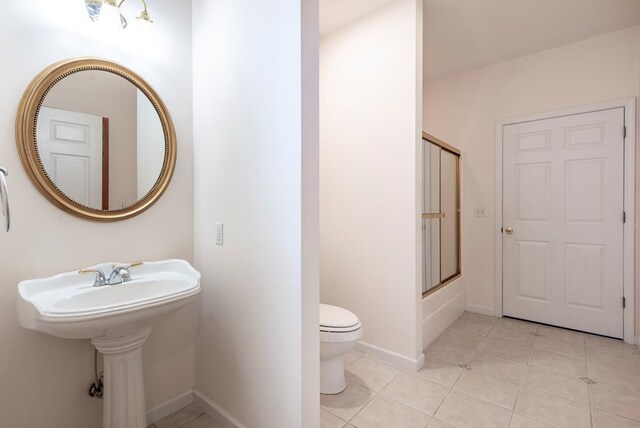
(488, 372)
(188, 417)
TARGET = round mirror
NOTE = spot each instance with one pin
(96, 139)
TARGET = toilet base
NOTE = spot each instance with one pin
(332, 379)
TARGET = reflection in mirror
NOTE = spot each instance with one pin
(441, 214)
(100, 140)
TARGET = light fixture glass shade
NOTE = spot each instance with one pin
(93, 9)
(110, 15)
(107, 13)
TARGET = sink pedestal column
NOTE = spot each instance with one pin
(124, 405)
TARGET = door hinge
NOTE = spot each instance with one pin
(624, 132)
(624, 302)
(624, 216)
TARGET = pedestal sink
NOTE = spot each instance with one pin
(117, 319)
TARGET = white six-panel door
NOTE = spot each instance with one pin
(563, 204)
(70, 147)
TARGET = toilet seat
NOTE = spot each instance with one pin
(338, 325)
(335, 317)
(328, 329)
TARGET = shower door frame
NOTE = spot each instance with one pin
(428, 138)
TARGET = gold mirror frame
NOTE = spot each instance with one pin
(26, 123)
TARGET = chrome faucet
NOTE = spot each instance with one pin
(100, 280)
(119, 274)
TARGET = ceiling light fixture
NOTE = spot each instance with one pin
(108, 12)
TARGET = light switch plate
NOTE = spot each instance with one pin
(219, 233)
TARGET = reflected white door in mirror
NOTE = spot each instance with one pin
(70, 146)
(117, 318)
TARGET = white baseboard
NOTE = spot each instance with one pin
(481, 310)
(169, 407)
(216, 412)
(390, 356)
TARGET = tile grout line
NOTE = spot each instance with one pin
(591, 404)
(556, 395)
(586, 359)
(538, 420)
(376, 393)
(560, 353)
(407, 405)
(460, 343)
(519, 383)
(192, 419)
(435, 412)
(522, 386)
(447, 394)
(524, 375)
(452, 388)
(359, 355)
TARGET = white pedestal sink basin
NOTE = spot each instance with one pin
(117, 319)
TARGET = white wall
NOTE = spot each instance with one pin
(45, 379)
(370, 137)
(463, 110)
(253, 164)
(310, 215)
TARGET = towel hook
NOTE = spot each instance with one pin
(4, 197)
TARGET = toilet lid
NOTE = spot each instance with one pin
(335, 317)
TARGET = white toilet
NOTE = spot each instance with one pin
(340, 331)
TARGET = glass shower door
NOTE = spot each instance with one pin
(441, 214)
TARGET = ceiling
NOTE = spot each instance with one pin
(336, 13)
(462, 35)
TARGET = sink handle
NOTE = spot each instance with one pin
(100, 280)
(134, 264)
(126, 267)
(121, 274)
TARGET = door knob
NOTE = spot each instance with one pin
(508, 230)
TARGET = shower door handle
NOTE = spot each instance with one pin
(432, 216)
